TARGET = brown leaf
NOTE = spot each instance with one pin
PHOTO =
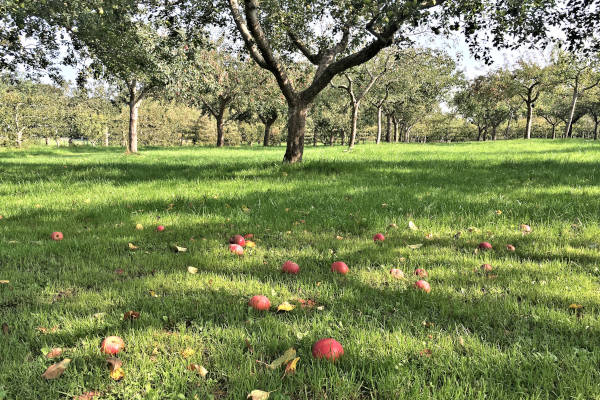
(415, 246)
(258, 395)
(426, 352)
(132, 246)
(5, 328)
(178, 249)
(290, 368)
(87, 396)
(56, 370)
(47, 330)
(114, 363)
(4, 282)
(131, 315)
(199, 369)
(249, 346)
(285, 306)
(55, 352)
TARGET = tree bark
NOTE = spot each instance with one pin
(268, 124)
(296, 130)
(379, 112)
(569, 125)
(494, 133)
(478, 133)
(529, 121)
(352, 138)
(132, 139)
(220, 130)
(47, 141)
(596, 128)
(395, 129)
(553, 132)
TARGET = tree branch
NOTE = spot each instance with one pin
(246, 36)
(312, 57)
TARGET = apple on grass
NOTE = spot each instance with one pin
(290, 267)
(160, 228)
(237, 239)
(339, 267)
(57, 236)
(423, 285)
(510, 247)
(378, 237)
(327, 348)
(421, 273)
(486, 268)
(236, 249)
(485, 246)
(260, 303)
(112, 345)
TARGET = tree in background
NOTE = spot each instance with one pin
(529, 80)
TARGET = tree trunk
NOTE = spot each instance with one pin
(395, 129)
(527, 134)
(596, 128)
(553, 132)
(19, 138)
(507, 130)
(220, 131)
(379, 112)
(296, 129)
(352, 138)
(132, 140)
(569, 126)
(106, 136)
(478, 134)
(343, 136)
(47, 141)
(388, 129)
(494, 132)
(57, 140)
(268, 123)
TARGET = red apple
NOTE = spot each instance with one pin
(260, 303)
(423, 285)
(339, 267)
(236, 249)
(57, 236)
(510, 247)
(486, 267)
(328, 348)
(290, 267)
(378, 237)
(237, 239)
(485, 246)
(160, 228)
(112, 345)
(248, 236)
(525, 228)
(421, 273)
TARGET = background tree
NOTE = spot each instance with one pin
(529, 80)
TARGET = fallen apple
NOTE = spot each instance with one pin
(510, 247)
(397, 273)
(339, 267)
(160, 228)
(248, 236)
(486, 268)
(378, 237)
(484, 246)
(421, 273)
(237, 239)
(260, 303)
(328, 348)
(112, 345)
(423, 285)
(525, 228)
(290, 267)
(57, 236)
(236, 249)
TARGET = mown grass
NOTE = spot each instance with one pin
(508, 335)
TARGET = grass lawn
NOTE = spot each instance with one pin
(508, 334)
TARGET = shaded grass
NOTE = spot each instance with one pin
(509, 335)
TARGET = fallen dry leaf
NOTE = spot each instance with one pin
(188, 352)
(306, 303)
(285, 306)
(290, 368)
(397, 273)
(289, 355)
(56, 370)
(339, 237)
(415, 246)
(412, 226)
(55, 352)
(139, 227)
(258, 395)
(119, 271)
(575, 306)
(114, 363)
(117, 374)
(153, 293)
(250, 243)
(498, 212)
(178, 249)
(87, 396)
(429, 236)
(3, 282)
(192, 270)
(199, 369)
(425, 352)
(47, 330)
(5, 328)
(131, 315)
(132, 246)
